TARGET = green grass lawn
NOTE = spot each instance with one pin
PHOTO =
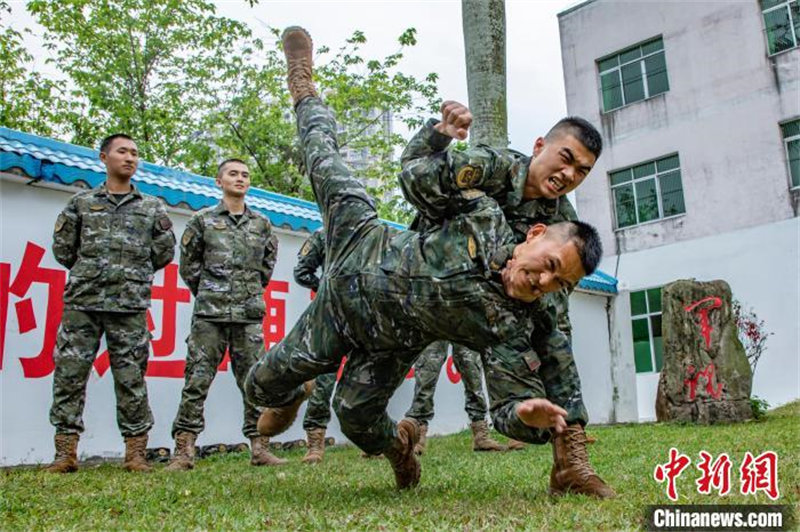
(460, 489)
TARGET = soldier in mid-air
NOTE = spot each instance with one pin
(529, 190)
(228, 253)
(112, 239)
(387, 294)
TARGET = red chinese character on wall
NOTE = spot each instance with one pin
(716, 475)
(275, 317)
(30, 272)
(760, 474)
(671, 471)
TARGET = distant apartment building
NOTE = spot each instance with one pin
(699, 107)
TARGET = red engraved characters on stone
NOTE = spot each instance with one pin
(30, 272)
(716, 475)
(708, 374)
(703, 307)
(760, 474)
(670, 471)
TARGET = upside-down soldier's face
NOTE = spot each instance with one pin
(543, 263)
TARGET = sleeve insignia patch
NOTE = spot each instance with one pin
(468, 176)
(472, 248)
(60, 221)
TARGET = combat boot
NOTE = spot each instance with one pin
(515, 445)
(481, 441)
(183, 459)
(401, 454)
(273, 421)
(66, 459)
(316, 446)
(135, 454)
(260, 454)
(298, 47)
(572, 472)
(422, 444)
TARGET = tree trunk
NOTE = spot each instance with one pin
(484, 23)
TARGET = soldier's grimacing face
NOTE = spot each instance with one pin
(122, 158)
(234, 179)
(559, 166)
(545, 262)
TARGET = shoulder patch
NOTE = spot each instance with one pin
(468, 176)
(60, 221)
(187, 237)
(165, 223)
(472, 248)
(305, 249)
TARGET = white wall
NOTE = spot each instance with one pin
(721, 114)
(761, 264)
(27, 215)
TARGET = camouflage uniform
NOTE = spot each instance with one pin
(426, 376)
(388, 293)
(112, 247)
(226, 262)
(501, 174)
(311, 258)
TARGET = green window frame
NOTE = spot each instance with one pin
(648, 191)
(633, 74)
(648, 342)
(791, 142)
(781, 24)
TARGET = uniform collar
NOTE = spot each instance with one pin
(102, 190)
(221, 208)
(519, 175)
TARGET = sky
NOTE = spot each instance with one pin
(533, 56)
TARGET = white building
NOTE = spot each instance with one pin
(699, 107)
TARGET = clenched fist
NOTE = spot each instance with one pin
(456, 120)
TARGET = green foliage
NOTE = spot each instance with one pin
(760, 407)
(460, 489)
(148, 68)
(28, 101)
(193, 88)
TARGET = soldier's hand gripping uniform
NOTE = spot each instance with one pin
(226, 261)
(501, 173)
(318, 410)
(387, 294)
(112, 246)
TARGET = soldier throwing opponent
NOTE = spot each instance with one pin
(112, 239)
(228, 253)
(388, 293)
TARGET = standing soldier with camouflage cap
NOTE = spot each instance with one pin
(228, 254)
(113, 239)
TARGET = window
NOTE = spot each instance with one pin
(782, 24)
(648, 191)
(791, 140)
(648, 344)
(634, 74)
